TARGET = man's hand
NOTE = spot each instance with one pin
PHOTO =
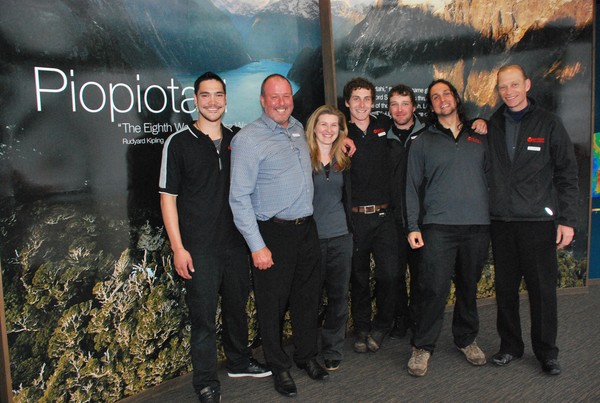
(262, 258)
(349, 146)
(183, 263)
(564, 236)
(479, 126)
(415, 240)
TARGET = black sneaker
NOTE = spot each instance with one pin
(332, 365)
(254, 370)
(209, 394)
(399, 330)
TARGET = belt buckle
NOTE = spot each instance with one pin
(370, 209)
(298, 220)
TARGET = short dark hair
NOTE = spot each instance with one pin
(460, 108)
(262, 86)
(403, 90)
(357, 83)
(209, 75)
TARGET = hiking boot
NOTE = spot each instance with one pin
(417, 365)
(474, 354)
(374, 340)
(360, 343)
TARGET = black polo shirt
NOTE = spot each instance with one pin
(198, 175)
(371, 168)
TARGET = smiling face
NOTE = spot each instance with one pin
(402, 110)
(277, 100)
(327, 129)
(210, 100)
(513, 87)
(360, 104)
(442, 100)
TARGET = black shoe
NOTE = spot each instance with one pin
(254, 369)
(399, 330)
(374, 340)
(284, 384)
(502, 359)
(332, 365)
(314, 370)
(551, 366)
(209, 394)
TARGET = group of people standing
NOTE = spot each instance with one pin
(314, 206)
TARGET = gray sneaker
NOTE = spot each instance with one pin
(474, 354)
(417, 365)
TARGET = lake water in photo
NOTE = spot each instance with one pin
(243, 89)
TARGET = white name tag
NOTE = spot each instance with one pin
(381, 134)
(295, 134)
(533, 148)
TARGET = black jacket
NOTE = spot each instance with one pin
(540, 184)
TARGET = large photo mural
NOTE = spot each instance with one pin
(90, 91)
(465, 42)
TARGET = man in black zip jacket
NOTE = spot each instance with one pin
(448, 219)
(533, 202)
(405, 127)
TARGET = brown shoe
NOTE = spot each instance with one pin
(474, 354)
(417, 365)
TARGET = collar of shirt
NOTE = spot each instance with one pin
(274, 126)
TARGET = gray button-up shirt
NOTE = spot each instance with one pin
(270, 176)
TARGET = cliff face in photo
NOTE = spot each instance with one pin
(466, 43)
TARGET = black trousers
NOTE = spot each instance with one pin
(526, 250)
(451, 252)
(292, 282)
(376, 234)
(226, 273)
(406, 306)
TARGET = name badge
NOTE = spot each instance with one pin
(381, 134)
(532, 148)
(295, 134)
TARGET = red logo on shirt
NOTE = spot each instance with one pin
(474, 139)
(336, 167)
(377, 131)
(229, 148)
(536, 140)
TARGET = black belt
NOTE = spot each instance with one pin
(371, 209)
(297, 221)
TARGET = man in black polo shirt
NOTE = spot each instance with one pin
(208, 251)
(373, 222)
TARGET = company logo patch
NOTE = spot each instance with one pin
(379, 132)
(474, 139)
(536, 140)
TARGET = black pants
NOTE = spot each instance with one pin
(406, 306)
(450, 251)
(226, 273)
(294, 282)
(526, 250)
(376, 234)
(336, 263)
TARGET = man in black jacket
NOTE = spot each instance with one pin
(448, 219)
(404, 129)
(533, 199)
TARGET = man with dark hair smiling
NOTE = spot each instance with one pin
(208, 251)
(448, 219)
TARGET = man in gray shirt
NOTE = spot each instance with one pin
(271, 198)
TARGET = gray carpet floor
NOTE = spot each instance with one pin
(383, 377)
